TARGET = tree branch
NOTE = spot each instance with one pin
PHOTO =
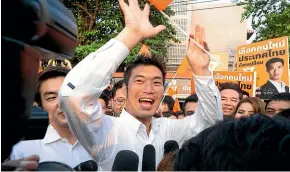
(83, 8)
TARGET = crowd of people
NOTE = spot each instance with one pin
(93, 118)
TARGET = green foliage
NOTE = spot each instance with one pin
(270, 18)
(100, 20)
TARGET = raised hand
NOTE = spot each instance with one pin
(197, 58)
(137, 24)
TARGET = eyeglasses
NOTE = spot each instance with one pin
(120, 101)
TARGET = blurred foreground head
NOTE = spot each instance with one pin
(255, 143)
(39, 29)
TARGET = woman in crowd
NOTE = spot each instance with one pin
(248, 107)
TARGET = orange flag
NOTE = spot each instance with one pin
(160, 4)
(171, 92)
(40, 67)
(144, 51)
(176, 106)
(184, 69)
(192, 89)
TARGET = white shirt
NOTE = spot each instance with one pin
(104, 136)
(51, 148)
(279, 86)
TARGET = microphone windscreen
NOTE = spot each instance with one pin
(126, 160)
(89, 165)
(53, 166)
(170, 146)
(149, 158)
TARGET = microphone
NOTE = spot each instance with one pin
(53, 166)
(126, 160)
(89, 165)
(170, 146)
(149, 158)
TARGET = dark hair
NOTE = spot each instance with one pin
(117, 86)
(245, 93)
(179, 113)
(169, 101)
(48, 73)
(167, 162)
(232, 86)
(253, 143)
(105, 98)
(279, 97)
(285, 113)
(168, 114)
(141, 60)
(273, 60)
(191, 98)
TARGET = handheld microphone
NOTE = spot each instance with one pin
(89, 165)
(149, 158)
(170, 146)
(53, 166)
(126, 161)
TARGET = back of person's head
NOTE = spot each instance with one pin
(145, 61)
(279, 97)
(254, 143)
(285, 113)
(167, 162)
(257, 103)
(232, 86)
(169, 114)
(117, 86)
(191, 98)
(169, 101)
(48, 73)
(273, 60)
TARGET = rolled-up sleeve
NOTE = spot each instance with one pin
(78, 98)
(208, 111)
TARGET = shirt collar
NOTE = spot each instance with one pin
(51, 135)
(277, 83)
(135, 124)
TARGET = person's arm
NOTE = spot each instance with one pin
(208, 110)
(86, 81)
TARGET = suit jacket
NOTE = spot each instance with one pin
(268, 89)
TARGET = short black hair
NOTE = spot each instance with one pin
(279, 97)
(116, 87)
(254, 143)
(273, 60)
(191, 98)
(285, 113)
(169, 101)
(156, 61)
(245, 93)
(48, 73)
(232, 86)
(105, 98)
(168, 114)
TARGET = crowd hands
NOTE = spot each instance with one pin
(228, 129)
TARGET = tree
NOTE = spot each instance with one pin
(270, 18)
(100, 20)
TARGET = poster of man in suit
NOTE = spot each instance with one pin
(270, 59)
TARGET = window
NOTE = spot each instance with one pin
(182, 23)
(176, 54)
(179, 7)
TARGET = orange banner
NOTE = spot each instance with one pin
(246, 80)
(223, 58)
(160, 4)
(270, 59)
(184, 69)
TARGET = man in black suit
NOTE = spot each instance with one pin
(275, 68)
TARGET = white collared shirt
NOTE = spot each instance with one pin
(104, 136)
(279, 86)
(51, 148)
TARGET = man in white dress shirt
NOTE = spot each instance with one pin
(104, 136)
(59, 144)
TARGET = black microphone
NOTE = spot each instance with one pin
(89, 165)
(53, 166)
(126, 161)
(170, 146)
(149, 158)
